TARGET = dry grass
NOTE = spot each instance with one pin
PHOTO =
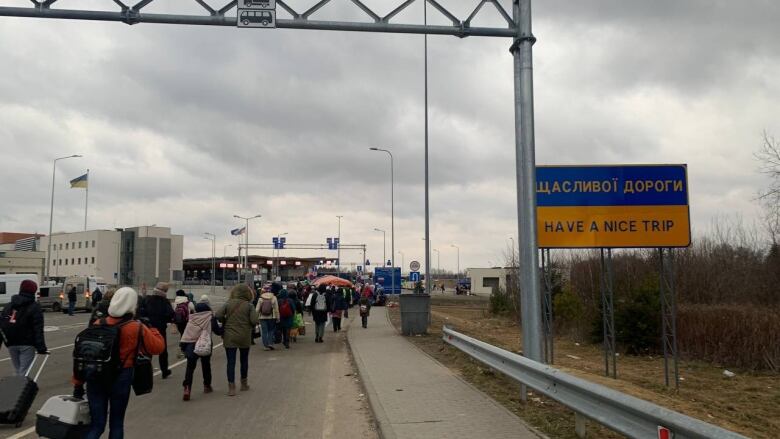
(748, 403)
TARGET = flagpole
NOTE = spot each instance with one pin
(86, 202)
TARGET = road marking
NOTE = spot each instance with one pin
(24, 433)
(51, 349)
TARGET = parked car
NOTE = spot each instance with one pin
(49, 297)
(9, 285)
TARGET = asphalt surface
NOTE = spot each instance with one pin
(306, 392)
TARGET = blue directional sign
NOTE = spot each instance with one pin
(414, 276)
(333, 243)
(278, 242)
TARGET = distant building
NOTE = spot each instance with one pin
(22, 262)
(484, 280)
(130, 256)
(18, 241)
(198, 270)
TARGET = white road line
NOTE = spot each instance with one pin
(24, 433)
(51, 349)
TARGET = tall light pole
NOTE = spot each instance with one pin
(512, 260)
(51, 211)
(224, 255)
(402, 260)
(384, 246)
(279, 254)
(438, 259)
(338, 248)
(246, 255)
(213, 238)
(427, 204)
(392, 213)
(458, 248)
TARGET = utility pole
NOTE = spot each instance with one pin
(224, 255)
(51, 213)
(213, 238)
(338, 248)
(522, 51)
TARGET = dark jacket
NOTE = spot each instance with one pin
(286, 322)
(339, 302)
(365, 302)
(101, 310)
(320, 316)
(158, 310)
(97, 296)
(72, 295)
(29, 317)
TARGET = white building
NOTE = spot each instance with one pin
(130, 256)
(483, 280)
(22, 262)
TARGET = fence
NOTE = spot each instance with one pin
(622, 413)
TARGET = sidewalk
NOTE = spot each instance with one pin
(414, 396)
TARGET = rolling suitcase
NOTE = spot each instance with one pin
(63, 417)
(17, 394)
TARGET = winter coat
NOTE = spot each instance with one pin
(199, 322)
(364, 301)
(339, 302)
(286, 322)
(274, 301)
(72, 295)
(158, 310)
(30, 316)
(238, 318)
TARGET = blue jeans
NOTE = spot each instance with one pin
(269, 327)
(100, 397)
(71, 307)
(231, 363)
(21, 358)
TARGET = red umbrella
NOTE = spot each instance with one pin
(332, 280)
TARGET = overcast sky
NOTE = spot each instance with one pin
(186, 126)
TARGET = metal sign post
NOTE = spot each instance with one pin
(517, 26)
(606, 283)
(668, 315)
(548, 330)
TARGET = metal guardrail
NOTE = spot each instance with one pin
(622, 413)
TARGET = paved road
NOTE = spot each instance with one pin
(306, 392)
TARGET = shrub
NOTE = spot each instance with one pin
(500, 302)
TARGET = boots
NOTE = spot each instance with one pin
(231, 389)
(186, 396)
(207, 389)
(244, 384)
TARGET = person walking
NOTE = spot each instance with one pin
(100, 310)
(182, 308)
(198, 346)
(110, 391)
(238, 317)
(158, 310)
(21, 322)
(97, 296)
(268, 310)
(319, 312)
(71, 300)
(339, 307)
(365, 308)
(286, 307)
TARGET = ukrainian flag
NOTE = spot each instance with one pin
(79, 182)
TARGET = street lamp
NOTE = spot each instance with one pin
(402, 260)
(338, 248)
(51, 211)
(384, 246)
(224, 255)
(392, 213)
(246, 256)
(453, 245)
(213, 238)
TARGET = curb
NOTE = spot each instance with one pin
(381, 421)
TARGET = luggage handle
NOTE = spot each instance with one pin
(40, 369)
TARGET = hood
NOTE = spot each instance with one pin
(283, 294)
(22, 299)
(181, 299)
(267, 296)
(201, 319)
(242, 292)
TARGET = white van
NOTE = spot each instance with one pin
(85, 286)
(10, 283)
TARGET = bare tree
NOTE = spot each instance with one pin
(769, 157)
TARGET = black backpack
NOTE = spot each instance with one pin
(96, 352)
(13, 323)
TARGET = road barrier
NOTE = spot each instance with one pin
(622, 413)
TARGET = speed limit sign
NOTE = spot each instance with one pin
(414, 266)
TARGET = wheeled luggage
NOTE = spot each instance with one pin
(17, 394)
(63, 417)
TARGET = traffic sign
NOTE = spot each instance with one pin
(612, 206)
(414, 266)
(414, 276)
(256, 13)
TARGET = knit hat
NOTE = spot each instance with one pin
(124, 302)
(161, 286)
(181, 293)
(204, 299)
(28, 287)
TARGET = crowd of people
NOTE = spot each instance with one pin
(139, 324)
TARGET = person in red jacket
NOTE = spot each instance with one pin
(116, 395)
